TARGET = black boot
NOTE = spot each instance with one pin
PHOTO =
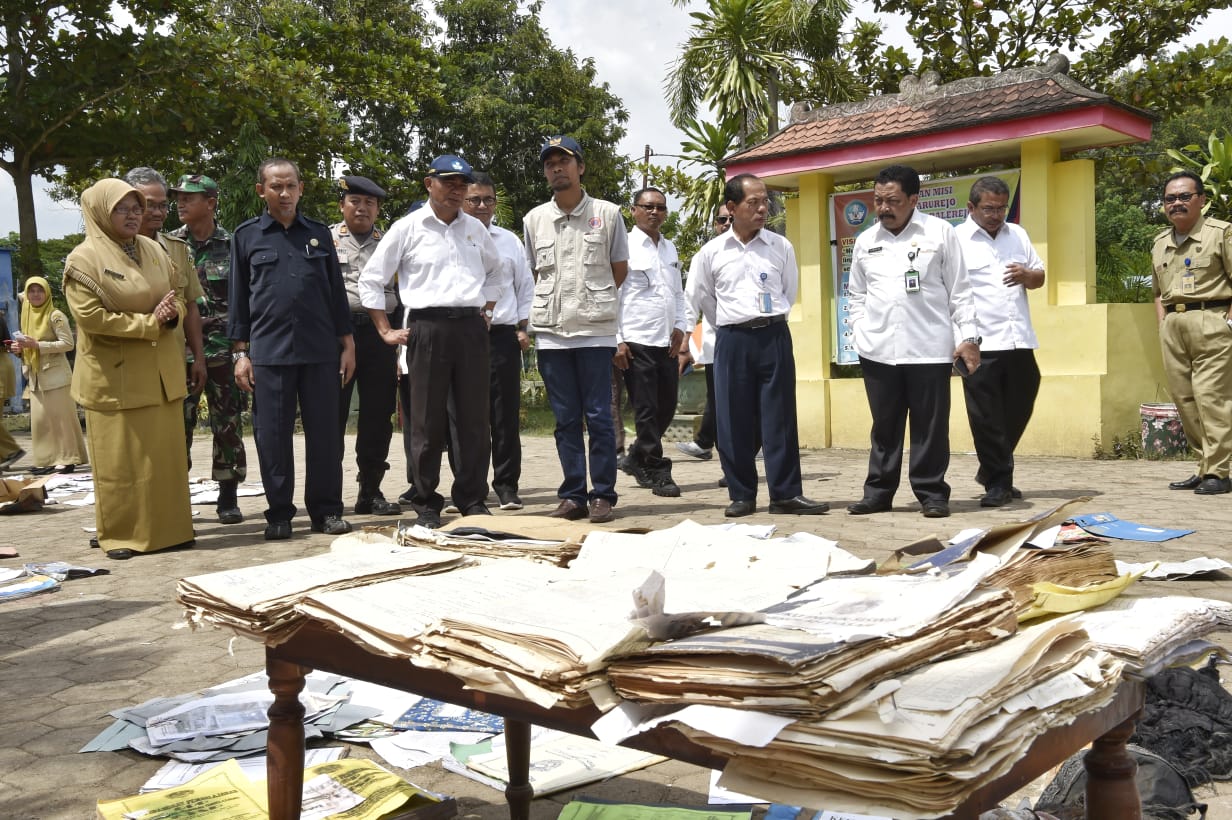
(371, 500)
(228, 505)
(663, 484)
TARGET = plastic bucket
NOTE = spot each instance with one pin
(1162, 434)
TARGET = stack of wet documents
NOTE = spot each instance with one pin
(259, 601)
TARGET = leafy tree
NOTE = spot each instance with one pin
(52, 253)
(72, 79)
(741, 54)
(962, 38)
(505, 88)
(705, 148)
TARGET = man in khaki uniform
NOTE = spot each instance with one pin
(1192, 273)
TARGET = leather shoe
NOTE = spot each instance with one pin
(1015, 493)
(1213, 485)
(867, 506)
(120, 555)
(936, 509)
(477, 509)
(1190, 483)
(332, 525)
(376, 505)
(277, 530)
(996, 497)
(94, 542)
(799, 506)
(408, 497)
(723, 482)
(601, 511)
(569, 510)
(429, 519)
(230, 515)
(739, 509)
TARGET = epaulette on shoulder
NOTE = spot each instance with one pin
(253, 221)
(1162, 234)
(1218, 224)
(175, 238)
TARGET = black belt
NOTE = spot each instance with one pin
(1181, 307)
(762, 321)
(445, 313)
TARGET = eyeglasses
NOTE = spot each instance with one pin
(1185, 197)
(722, 220)
(125, 211)
(164, 207)
(654, 207)
(988, 210)
(476, 201)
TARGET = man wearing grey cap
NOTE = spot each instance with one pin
(449, 278)
(196, 203)
(355, 238)
(578, 248)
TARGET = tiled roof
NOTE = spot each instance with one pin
(923, 107)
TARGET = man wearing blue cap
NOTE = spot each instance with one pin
(578, 248)
(448, 273)
(355, 238)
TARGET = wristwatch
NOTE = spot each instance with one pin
(236, 355)
(975, 340)
(487, 313)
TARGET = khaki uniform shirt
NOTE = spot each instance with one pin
(1208, 250)
(352, 256)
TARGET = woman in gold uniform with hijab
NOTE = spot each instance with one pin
(129, 375)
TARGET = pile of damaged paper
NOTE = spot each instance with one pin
(532, 537)
(260, 601)
(900, 693)
(226, 721)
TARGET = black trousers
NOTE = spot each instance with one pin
(755, 397)
(376, 378)
(896, 392)
(444, 357)
(706, 432)
(505, 409)
(652, 381)
(278, 389)
(1000, 397)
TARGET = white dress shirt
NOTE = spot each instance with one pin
(652, 296)
(438, 264)
(893, 326)
(517, 283)
(728, 277)
(1005, 315)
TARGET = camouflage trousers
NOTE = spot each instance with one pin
(226, 406)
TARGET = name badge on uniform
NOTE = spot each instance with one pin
(911, 278)
(1188, 280)
(764, 302)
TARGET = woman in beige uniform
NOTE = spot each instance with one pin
(45, 339)
(129, 375)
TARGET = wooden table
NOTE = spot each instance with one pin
(1111, 791)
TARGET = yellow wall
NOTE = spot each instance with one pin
(1099, 362)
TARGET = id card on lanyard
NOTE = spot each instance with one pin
(1188, 279)
(765, 302)
(911, 278)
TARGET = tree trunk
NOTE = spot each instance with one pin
(29, 263)
(772, 91)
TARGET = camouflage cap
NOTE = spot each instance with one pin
(196, 184)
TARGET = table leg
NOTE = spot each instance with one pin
(285, 747)
(1112, 791)
(518, 792)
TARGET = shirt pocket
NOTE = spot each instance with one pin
(545, 259)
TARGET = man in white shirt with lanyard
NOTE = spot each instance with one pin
(449, 278)
(744, 283)
(1000, 395)
(650, 333)
(908, 291)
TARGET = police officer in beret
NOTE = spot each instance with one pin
(355, 238)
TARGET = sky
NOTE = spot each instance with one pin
(632, 42)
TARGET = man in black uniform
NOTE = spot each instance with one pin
(289, 303)
(376, 363)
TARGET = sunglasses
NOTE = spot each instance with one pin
(722, 220)
(1185, 197)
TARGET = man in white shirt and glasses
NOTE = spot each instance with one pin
(650, 333)
(1002, 266)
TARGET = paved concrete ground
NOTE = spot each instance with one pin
(68, 658)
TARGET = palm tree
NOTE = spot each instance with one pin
(740, 52)
(707, 145)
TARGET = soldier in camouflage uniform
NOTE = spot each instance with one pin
(197, 202)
